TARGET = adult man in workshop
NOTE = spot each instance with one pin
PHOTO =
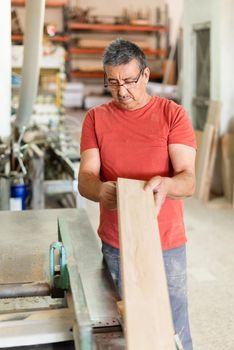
(138, 136)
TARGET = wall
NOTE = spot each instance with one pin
(227, 65)
(193, 16)
(220, 14)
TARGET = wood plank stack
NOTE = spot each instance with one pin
(206, 156)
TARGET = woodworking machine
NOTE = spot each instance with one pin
(54, 285)
(75, 295)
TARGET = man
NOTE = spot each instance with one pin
(143, 137)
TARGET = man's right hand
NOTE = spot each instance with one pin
(107, 194)
(89, 184)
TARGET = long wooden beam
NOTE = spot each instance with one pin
(147, 311)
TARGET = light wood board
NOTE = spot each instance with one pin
(213, 114)
(228, 166)
(203, 161)
(211, 166)
(199, 138)
(207, 153)
(147, 310)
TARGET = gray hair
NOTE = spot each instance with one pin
(121, 51)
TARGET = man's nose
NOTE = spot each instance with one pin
(122, 90)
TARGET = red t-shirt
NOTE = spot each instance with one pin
(133, 144)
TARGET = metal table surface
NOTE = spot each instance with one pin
(25, 238)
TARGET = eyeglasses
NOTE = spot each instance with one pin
(113, 84)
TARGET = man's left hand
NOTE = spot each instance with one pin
(159, 186)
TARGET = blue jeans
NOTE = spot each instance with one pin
(175, 268)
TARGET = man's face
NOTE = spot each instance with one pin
(127, 84)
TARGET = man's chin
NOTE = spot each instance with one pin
(125, 102)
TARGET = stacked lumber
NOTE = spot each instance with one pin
(207, 150)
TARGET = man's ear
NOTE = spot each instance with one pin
(146, 74)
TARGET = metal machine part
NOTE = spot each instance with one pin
(93, 292)
(4, 192)
(13, 290)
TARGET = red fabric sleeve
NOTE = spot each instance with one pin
(88, 134)
(181, 130)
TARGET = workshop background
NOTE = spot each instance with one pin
(45, 91)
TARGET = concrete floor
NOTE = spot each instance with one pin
(210, 275)
(210, 252)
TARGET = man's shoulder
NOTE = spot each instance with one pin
(100, 114)
(170, 108)
(101, 107)
(166, 103)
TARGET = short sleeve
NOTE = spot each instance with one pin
(88, 134)
(181, 129)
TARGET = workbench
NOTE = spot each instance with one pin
(24, 258)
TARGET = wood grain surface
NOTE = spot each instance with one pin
(147, 311)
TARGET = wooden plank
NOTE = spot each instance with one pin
(214, 111)
(57, 38)
(79, 74)
(49, 3)
(168, 68)
(213, 118)
(204, 160)
(120, 307)
(100, 50)
(146, 302)
(36, 327)
(210, 169)
(227, 146)
(207, 154)
(99, 74)
(199, 137)
(116, 27)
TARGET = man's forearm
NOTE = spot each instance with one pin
(181, 185)
(89, 186)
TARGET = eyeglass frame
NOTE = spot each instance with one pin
(117, 86)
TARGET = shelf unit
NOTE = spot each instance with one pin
(49, 3)
(98, 74)
(19, 38)
(99, 51)
(63, 39)
(76, 51)
(116, 27)
(45, 72)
